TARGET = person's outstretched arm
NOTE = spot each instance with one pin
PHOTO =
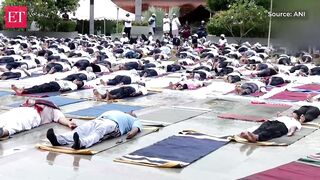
(67, 122)
(133, 133)
(292, 131)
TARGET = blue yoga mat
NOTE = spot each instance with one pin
(57, 100)
(4, 93)
(176, 151)
(98, 110)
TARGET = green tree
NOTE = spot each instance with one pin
(219, 5)
(243, 17)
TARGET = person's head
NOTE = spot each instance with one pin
(174, 15)
(153, 15)
(238, 89)
(79, 83)
(166, 15)
(222, 36)
(124, 34)
(150, 33)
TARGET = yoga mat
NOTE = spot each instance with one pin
(311, 161)
(282, 141)
(292, 171)
(94, 112)
(97, 148)
(57, 100)
(177, 151)
(292, 96)
(256, 94)
(309, 87)
(242, 117)
(41, 95)
(4, 93)
(253, 112)
(167, 116)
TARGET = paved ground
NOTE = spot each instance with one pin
(21, 160)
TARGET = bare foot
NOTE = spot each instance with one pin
(102, 82)
(244, 135)
(17, 90)
(252, 137)
(309, 98)
(97, 94)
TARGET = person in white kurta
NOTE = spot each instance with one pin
(175, 26)
(166, 24)
(25, 118)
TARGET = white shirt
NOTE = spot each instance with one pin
(175, 24)
(290, 122)
(140, 88)
(66, 85)
(223, 42)
(153, 24)
(166, 24)
(127, 22)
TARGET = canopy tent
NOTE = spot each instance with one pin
(103, 10)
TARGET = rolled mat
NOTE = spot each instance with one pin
(97, 148)
(177, 151)
(293, 171)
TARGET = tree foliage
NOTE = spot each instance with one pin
(220, 5)
(47, 13)
(241, 18)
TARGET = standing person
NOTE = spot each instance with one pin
(186, 32)
(202, 30)
(128, 25)
(175, 25)
(152, 22)
(166, 24)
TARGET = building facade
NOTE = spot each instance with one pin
(185, 5)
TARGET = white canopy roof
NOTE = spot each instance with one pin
(103, 9)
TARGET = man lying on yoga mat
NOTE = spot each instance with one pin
(189, 84)
(110, 124)
(306, 113)
(33, 113)
(132, 90)
(250, 88)
(274, 128)
(53, 86)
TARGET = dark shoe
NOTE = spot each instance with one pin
(52, 137)
(1, 132)
(77, 143)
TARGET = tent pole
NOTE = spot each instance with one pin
(117, 20)
(104, 26)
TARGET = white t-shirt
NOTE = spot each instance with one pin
(175, 24)
(223, 42)
(66, 85)
(290, 122)
(127, 22)
(139, 88)
(49, 114)
(153, 24)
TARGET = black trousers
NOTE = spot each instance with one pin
(82, 64)
(131, 65)
(119, 79)
(122, 92)
(127, 30)
(284, 61)
(304, 68)
(173, 68)
(6, 60)
(15, 65)
(275, 81)
(46, 87)
(202, 68)
(79, 76)
(57, 67)
(11, 75)
(267, 72)
(203, 75)
(270, 130)
(234, 78)
(149, 72)
(315, 71)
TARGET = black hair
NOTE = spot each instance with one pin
(79, 86)
(185, 86)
